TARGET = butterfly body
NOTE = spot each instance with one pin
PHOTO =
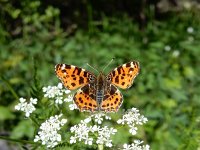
(100, 86)
(97, 93)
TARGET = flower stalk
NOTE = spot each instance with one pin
(100, 147)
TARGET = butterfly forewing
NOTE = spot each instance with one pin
(71, 76)
(124, 75)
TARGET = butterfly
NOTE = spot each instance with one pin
(98, 93)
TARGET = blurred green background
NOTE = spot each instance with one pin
(163, 35)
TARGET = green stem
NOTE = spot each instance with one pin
(15, 140)
(100, 147)
(35, 121)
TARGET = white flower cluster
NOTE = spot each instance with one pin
(48, 133)
(82, 131)
(132, 117)
(57, 93)
(104, 135)
(98, 117)
(136, 146)
(26, 107)
(89, 130)
(72, 106)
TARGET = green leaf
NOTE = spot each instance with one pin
(24, 128)
(5, 113)
(169, 103)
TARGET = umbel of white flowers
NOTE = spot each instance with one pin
(26, 107)
(83, 131)
(89, 131)
(48, 131)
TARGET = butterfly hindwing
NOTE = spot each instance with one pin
(85, 100)
(71, 76)
(124, 75)
(112, 100)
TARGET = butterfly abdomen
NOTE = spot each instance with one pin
(100, 89)
(99, 96)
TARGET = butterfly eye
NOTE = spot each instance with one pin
(91, 78)
(108, 78)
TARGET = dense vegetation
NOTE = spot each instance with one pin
(35, 36)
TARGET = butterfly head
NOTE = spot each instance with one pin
(101, 77)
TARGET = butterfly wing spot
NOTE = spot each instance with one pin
(123, 76)
(80, 100)
(71, 76)
(117, 79)
(73, 84)
(81, 80)
(63, 67)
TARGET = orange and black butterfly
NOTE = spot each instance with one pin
(98, 93)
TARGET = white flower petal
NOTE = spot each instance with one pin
(60, 85)
(69, 98)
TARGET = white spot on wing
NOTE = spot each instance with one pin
(132, 65)
(55, 67)
(63, 67)
(72, 66)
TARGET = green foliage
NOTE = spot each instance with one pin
(26, 19)
(5, 113)
(166, 90)
(23, 129)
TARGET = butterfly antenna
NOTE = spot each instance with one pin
(108, 64)
(92, 67)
